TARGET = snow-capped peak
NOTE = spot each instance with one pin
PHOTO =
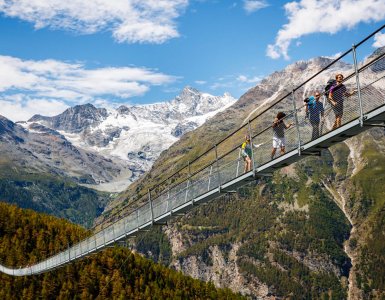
(136, 133)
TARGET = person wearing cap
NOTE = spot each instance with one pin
(279, 133)
(314, 110)
(246, 152)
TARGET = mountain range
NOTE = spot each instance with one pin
(55, 164)
(131, 136)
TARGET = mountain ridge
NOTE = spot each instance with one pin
(136, 134)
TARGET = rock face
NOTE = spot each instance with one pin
(182, 128)
(74, 119)
(36, 147)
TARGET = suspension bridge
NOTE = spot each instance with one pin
(220, 169)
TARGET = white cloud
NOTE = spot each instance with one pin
(32, 85)
(130, 21)
(334, 56)
(200, 82)
(379, 40)
(244, 78)
(327, 16)
(22, 107)
(251, 6)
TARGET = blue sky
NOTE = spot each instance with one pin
(55, 54)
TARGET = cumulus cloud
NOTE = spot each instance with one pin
(244, 78)
(379, 40)
(55, 83)
(22, 107)
(129, 21)
(251, 6)
(326, 16)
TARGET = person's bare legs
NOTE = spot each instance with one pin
(273, 153)
(247, 167)
(248, 161)
(282, 150)
(337, 122)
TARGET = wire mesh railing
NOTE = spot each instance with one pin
(361, 91)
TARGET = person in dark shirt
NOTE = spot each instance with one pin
(315, 110)
(336, 97)
(279, 133)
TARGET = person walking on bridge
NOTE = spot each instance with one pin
(314, 109)
(246, 154)
(336, 97)
(279, 133)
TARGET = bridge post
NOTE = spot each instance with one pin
(168, 200)
(296, 122)
(188, 182)
(358, 85)
(210, 173)
(186, 194)
(239, 162)
(151, 208)
(251, 145)
(89, 247)
(217, 162)
(137, 219)
(125, 226)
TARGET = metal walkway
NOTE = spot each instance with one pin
(220, 170)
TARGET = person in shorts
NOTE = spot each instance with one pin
(246, 154)
(336, 97)
(279, 133)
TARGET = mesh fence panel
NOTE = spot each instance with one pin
(178, 199)
(100, 239)
(144, 214)
(228, 166)
(131, 222)
(119, 228)
(200, 182)
(160, 205)
(372, 83)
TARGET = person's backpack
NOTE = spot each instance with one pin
(329, 85)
